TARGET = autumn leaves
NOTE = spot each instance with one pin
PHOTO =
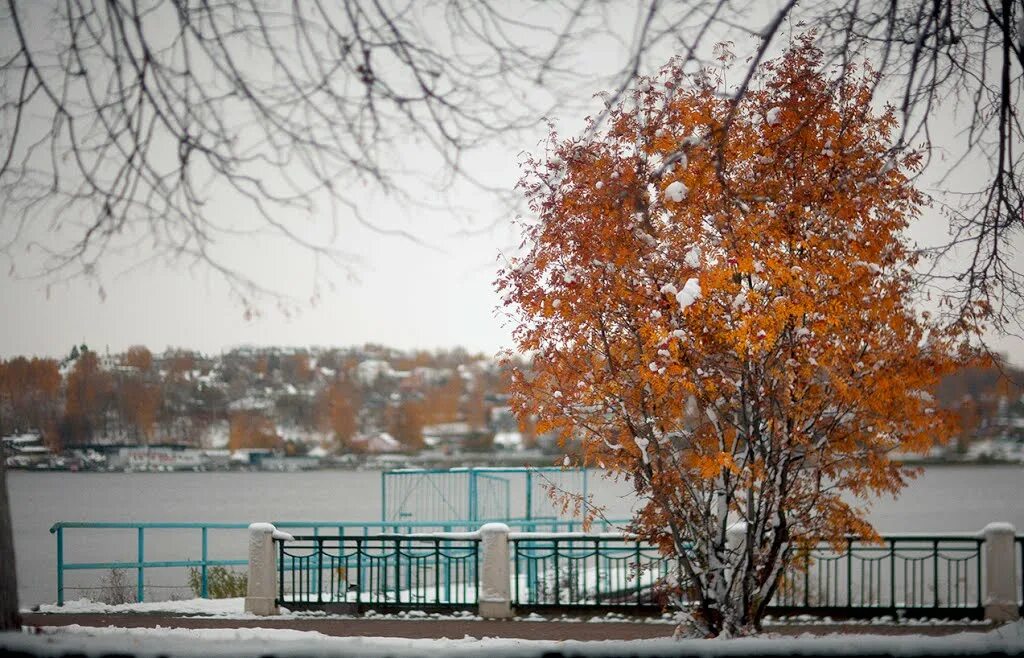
(720, 294)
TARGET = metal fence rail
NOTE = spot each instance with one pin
(935, 576)
(938, 576)
(207, 534)
(357, 563)
(379, 571)
(604, 572)
(477, 493)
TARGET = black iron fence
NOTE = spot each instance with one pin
(1019, 543)
(603, 571)
(933, 576)
(378, 571)
(911, 575)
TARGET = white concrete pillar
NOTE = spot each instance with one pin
(261, 590)
(495, 590)
(1001, 586)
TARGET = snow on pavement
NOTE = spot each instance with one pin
(234, 607)
(1008, 639)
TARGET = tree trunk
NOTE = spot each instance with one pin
(9, 617)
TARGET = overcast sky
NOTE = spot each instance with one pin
(396, 293)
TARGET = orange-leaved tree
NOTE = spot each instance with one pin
(719, 302)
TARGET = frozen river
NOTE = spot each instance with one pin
(944, 498)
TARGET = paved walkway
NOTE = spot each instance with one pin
(454, 628)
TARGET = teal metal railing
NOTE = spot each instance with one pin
(140, 564)
(205, 530)
(383, 571)
(477, 493)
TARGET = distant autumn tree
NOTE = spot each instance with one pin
(476, 411)
(405, 423)
(979, 394)
(736, 336)
(252, 429)
(441, 403)
(140, 405)
(30, 395)
(339, 410)
(179, 363)
(87, 394)
(138, 357)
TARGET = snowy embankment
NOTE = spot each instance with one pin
(1008, 640)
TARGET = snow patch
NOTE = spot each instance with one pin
(689, 294)
(676, 191)
(692, 257)
(91, 641)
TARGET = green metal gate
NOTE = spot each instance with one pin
(477, 494)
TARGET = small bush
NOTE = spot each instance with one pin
(115, 588)
(221, 582)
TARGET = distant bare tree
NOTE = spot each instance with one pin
(968, 54)
(122, 121)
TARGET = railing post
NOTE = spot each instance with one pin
(140, 575)
(60, 565)
(280, 571)
(261, 597)
(202, 575)
(849, 572)
(529, 494)
(494, 599)
(1000, 573)
(398, 571)
(319, 568)
(472, 495)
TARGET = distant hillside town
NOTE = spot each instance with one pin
(273, 408)
(302, 408)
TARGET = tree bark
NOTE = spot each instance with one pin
(9, 617)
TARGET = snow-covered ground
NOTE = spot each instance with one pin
(235, 609)
(284, 642)
(206, 607)
(224, 608)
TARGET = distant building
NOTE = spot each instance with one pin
(289, 464)
(370, 370)
(377, 444)
(25, 451)
(158, 458)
